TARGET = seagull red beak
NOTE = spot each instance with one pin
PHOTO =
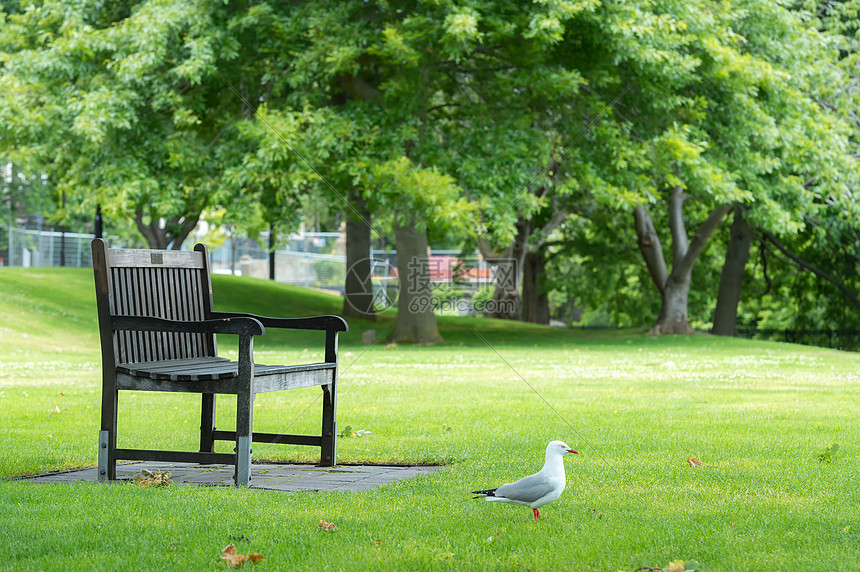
(572, 451)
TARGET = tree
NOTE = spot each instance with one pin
(719, 112)
(133, 105)
(410, 193)
(826, 234)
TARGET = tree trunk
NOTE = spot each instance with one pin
(732, 276)
(271, 252)
(507, 303)
(358, 289)
(673, 313)
(535, 301)
(416, 321)
(162, 237)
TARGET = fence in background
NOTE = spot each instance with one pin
(312, 260)
(317, 260)
(30, 248)
(847, 340)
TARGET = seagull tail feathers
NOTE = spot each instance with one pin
(484, 494)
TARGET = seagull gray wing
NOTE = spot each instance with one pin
(528, 489)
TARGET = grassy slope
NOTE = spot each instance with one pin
(636, 406)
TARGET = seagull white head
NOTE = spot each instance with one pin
(559, 448)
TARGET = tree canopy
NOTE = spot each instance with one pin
(599, 145)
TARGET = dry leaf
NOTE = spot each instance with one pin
(327, 526)
(694, 462)
(149, 479)
(232, 559)
(235, 560)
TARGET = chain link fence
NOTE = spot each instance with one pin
(31, 248)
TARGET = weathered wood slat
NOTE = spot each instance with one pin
(213, 383)
(327, 323)
(204, 369)
(172, 365)
(284, 439)
(203, 458)
(282, 378)
(145, 346)
(119, 258)
(217, 386)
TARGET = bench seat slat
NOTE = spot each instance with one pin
(189, 373)
(171, 365)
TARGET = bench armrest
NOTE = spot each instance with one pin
(226, 325)
(327, 323)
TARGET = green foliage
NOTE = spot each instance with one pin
(419, 195)
(470, 118)
(829, 454)
(131, 105)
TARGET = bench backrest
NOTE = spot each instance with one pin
(167, 284)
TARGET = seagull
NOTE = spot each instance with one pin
(538, 489)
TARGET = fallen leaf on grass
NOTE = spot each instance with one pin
(231, 557)
(327, 526)
(149, 479)
(235, 560)
(674, 566)
(694, 462)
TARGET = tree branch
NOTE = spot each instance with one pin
(649, 246)
(703, 234)
(680, 241)
(145, 230)
(763, 249)
(557, 218)
(489, 253)
(187, 226)
(811, 268)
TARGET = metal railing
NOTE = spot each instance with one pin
(846, 340)
(30, 248)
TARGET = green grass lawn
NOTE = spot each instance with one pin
(485, 404)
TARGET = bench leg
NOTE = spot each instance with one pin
(328, 454)
(104, 443)
(207, 423)
(107, 434)
(244, 423)
(243, 461)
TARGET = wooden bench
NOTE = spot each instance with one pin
(158, 332)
